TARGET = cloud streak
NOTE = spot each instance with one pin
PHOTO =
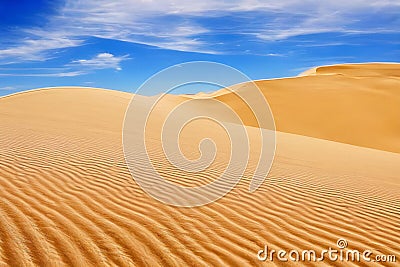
(183, 26)
(172, 25)
(7, 88)
(75, 68)
(37, 48)
(100, 61)
(61, 74)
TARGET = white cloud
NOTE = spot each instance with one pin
(36, 48)
(101, 61)
(275, 55)
(61, 74)
(154, 22)
(124, 11)
(75, 68)
(175, 25)
(7, 88)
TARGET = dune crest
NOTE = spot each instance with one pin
(355, 104)
(356, 70)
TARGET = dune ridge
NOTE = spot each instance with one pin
(352, 103)
(68, 198)
(378, 69)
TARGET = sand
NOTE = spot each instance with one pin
(68, 198)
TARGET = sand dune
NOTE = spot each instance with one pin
(357, 70)
(355, 104)
(68, 198)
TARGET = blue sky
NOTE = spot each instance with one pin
(119, 44)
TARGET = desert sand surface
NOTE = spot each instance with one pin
(68, 198)
(354, 104)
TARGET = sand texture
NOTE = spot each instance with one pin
(68, 198)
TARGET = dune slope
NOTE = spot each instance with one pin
(356, 104)
(67, 197)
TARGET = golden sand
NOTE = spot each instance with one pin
(68, 198)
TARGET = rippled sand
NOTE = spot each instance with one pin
(68, 198)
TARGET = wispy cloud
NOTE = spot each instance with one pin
(175, 25)
(101, 61)
(8, 88)
(275, 55)
(75, 68)
(37, 48)
(324, 44)
(124, 8)
(61, 74)
(181, 25)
